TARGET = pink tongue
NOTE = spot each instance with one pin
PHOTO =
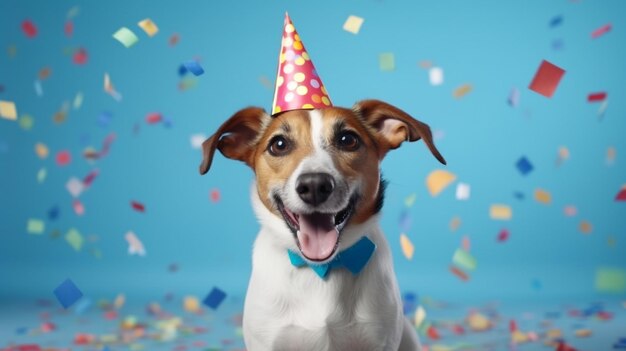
(317, 236)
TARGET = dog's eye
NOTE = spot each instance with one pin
(348, 141)
(279, 146)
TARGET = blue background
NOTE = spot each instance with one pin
(492, 45)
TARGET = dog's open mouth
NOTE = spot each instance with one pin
(317, 234)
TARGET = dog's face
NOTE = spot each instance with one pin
(317, 170)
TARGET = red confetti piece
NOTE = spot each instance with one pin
(562, 346)
(29, 28)
(503, 235)
(458, 329)
(593, 97)
(78, 207)
(68, 28)
(600, 31)
(215, 195)
(110, 315)
(621, 196)
(80, 57)
(90, 177)
(137, 206)
(459, 273)
(63, 158)
(546, 79)
(28, 347)
(153, 118)
(174, 39)
(512, 325)
(433, 333)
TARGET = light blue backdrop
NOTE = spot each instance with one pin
(492, 45)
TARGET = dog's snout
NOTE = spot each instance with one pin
(315, 188)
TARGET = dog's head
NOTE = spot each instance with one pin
(317, 170)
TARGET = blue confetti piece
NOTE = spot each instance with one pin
(167, 122)
(557, 44)
(82, 306)
(409, 303)
(67, 293)
(53, 213)
(556, 21)
(21, 330)
(405, 221)
(194, 67)
(182, 70)
(524, 166)
(104, 119)
(519, 195)
(215, 298)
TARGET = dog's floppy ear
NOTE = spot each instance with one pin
(394, 126)
(235, 138)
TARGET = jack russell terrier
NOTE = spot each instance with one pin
(322, 272)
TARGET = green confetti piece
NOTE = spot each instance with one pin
(35, 226)
(464, 260)
(41, 175)
(126, 37)
(74, 238)
(386, 61)
(611, 280)
(26, 122)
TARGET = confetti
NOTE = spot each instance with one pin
(26, 122)
(53, 213)
(459, 273)
(104, 119)
(78, 101)
(503, 235)
(611, 154)
(41, 175)
(420, 316)
(90, 177)
(153, 118)
(74, 239)
(465, 243)
(149, 27)
(174, 39)
(582, 333)
(135, 246)
(126, 37)
(191, 304)
(570, 210)
(196, 141)
(41, 150)
(8, 110)
(407, 246)
(595, 97)
(215, 298)
(556, 21)
(524, 166)
(455, 223)
(35, 226)
(435, 75)
(610, 280)
(67, 293)
(500, 212)
(514, 97)
(110, 89)
(137, 206)
(464, 260)
(29, 29)
(386, 61)
(621, 195)
(601, 31)
(543, 196)
(194, 67)
(546, 79)
(80, 56)
(438, 180)
(119, 301)
(478, 322)
(353, 24)
(585, 227)
(78, 207)
(75, 186)
(462, 191)
(63, 158)
(44, 73)
(461, 91)
(562, 155)
(410, 200)
(68, 28)
(215, 195)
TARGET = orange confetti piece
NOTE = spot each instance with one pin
(438, 180)
(543, 196)
(462, 91)
(585, 227)
(407, 246)
(459, 273)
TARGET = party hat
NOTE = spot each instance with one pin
(298, 87)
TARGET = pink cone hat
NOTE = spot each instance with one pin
(298, 87)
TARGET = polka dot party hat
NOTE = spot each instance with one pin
(298, 87)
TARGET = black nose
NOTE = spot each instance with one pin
(315, 188)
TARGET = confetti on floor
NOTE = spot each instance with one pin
(353, 24)
(546, 79)
(126, 37)
(438, 180)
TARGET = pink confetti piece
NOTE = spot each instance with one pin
(153, 118)
(459, 273)
(570, 211)
(29, 28)
(215, 195)
(601, 31)
(80, 56)
(68, 28)
(465, 244)
(503, 235)
(63, 158)
(89, 178)
(78, 207)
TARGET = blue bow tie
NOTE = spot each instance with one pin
(353, 258)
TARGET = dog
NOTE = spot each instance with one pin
(322, 272)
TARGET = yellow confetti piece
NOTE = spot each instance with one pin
(420, 316)
(407, 246)
(41, 150)
(353, 24)
(191, 304)
(455, 223)
(517, 337)
(543, 196)
(410, 200)
(126, 37)
(74, 238)
(585, 227)
(119, 301)
(478, 322)
(554, 334)
(438, 180)
(583, 333)
(610, 280)
(500, 212)
(149, 27)
(461, 91)
(386, 61)
(35, 226)
(8, 110)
